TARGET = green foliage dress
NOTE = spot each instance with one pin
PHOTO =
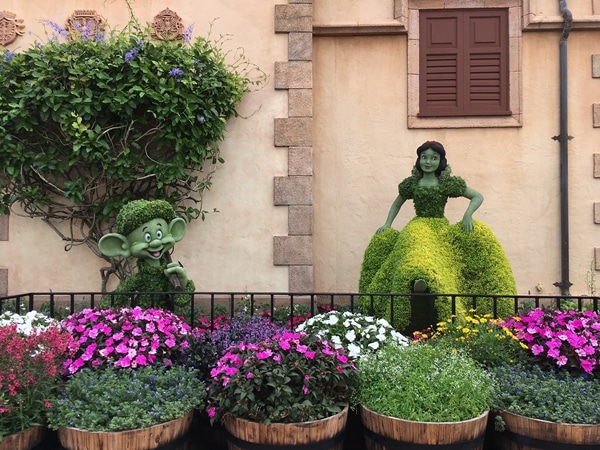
(449, 259)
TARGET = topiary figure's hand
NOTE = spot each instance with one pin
(175, 268)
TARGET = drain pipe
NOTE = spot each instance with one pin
(564, 138)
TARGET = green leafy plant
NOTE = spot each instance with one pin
(89, 122)
(423, 383)
(482, 337)
(112, 399)
(546, 394)
(290, 378)
(357, 333)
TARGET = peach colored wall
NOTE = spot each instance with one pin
(362, 147)
(232, 249)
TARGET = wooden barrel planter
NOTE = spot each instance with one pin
(388, 433)
(324, 434)
(141, 439)
(523, 433)
(24, 440)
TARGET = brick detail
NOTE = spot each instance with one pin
(3, 227)
(295, 17)
(293, 132)
(292, 250)
(293, 75)
(300, 220)
(292, 191)
(300, 279)
(300, 103)
(3, 282)
(300, 47)
(597, 258)
(596, 212)
(300, 161)
(596, 165)
(595, 66)
(596, 114)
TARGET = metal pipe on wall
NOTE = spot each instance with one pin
(563, 139)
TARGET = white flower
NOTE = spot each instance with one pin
(332, 319)
(336, 340)
(354, 350)
(350, 336)
(32, 322)
(374, 345)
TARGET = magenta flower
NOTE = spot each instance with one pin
(285, 364)
(125, 337)
(562, 338)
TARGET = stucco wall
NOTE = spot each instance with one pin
(362, 147)
(232, 249)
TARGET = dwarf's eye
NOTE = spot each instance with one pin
(147, 237)
(159, 234)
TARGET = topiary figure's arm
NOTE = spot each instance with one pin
(394, 210)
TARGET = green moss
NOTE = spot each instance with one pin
(449, 259)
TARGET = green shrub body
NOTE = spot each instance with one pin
(449, 259)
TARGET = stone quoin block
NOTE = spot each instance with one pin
(295, 17)
(300, 279)
(300, 161)
(292, 191)
(293, 75)
(293, 132)
(300, 220)
(300, 47)
(292, 250)
(300, 103)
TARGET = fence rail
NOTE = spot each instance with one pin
(211, 304)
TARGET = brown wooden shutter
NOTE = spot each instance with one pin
(463, 65)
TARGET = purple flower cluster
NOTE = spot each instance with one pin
(176, 73)
(206, 346)
(561, 338)
(128, 337)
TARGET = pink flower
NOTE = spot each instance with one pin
(267, 353)
(536, 349)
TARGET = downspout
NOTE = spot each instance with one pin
(563, 139)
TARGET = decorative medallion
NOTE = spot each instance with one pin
(10, 27)
(167, 26)
(84, 22)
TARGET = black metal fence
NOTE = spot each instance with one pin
(284, 305)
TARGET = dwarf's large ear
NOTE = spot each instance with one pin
(114, 244)
(177, 228)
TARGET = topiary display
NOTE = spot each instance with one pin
(147, 230)
(429, 255)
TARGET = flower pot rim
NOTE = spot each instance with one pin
(473, 419)
(190, 412)
(505, 411)
(228, 415)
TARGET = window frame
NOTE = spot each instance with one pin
(514, 77)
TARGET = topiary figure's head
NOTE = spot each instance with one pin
(138, 212)
(145, 229)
